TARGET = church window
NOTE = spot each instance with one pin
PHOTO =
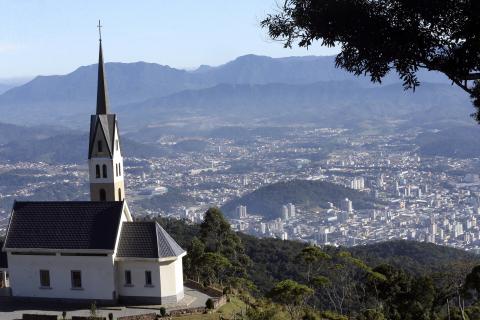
(104, 167)
(128, 277)
(119, 169)
(97, 171)
(44, 278)
(76, 279)
(116, 144)
(119, 194)
(99, 146)
(103, 195)
(148, 278)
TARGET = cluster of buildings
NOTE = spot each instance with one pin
(434, 199)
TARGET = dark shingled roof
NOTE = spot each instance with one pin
(3, 257)
(146, 240)
(64, 225)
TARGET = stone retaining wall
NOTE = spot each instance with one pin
(27, 316)
(209, 291)
(148, 316)
(187, 311)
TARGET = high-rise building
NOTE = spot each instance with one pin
(458, 229)
(263, 227)
(285, 215)
(322, 235)
(357, 183)
(291, 210)
(432, 228)
(241, 212)
(346, 205)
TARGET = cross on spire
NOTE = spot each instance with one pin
(99, 31)
(103, 104)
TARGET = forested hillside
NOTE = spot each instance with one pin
(390, 280)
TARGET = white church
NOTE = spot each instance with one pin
(92, 250)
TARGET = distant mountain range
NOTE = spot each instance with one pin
(250, 88)
(321, 103)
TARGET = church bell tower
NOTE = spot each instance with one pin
(105, 159)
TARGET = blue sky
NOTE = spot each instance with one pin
(55, 37)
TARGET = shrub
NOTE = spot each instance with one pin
(209, 304)
(309, 315)
(163, 311)
(333, 316)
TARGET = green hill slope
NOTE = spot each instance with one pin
(274, 260)
(267, 201)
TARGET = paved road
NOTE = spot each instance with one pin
(12, 310)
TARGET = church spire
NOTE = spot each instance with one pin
(103, 103)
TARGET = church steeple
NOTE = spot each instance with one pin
(103, 103)
(104, 153)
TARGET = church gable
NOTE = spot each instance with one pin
(103, 131)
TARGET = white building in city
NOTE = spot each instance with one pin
(357, 183)
(92, 250)
(291, 210)
(284, 213)
(241, 212)
(346, 205)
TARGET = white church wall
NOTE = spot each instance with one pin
(167, 279)
(100, 162)
(97, 276)
(138, 288)
(171, 273)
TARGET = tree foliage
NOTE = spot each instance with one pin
(292, 295)
(377, 36)
(410, 281)
(216, 254)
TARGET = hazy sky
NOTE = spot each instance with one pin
(57, 36)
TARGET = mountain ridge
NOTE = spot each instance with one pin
(70, 97)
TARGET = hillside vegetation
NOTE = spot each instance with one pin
(278, 279)
(456, 142)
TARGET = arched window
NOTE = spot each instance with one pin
(116, 169)
(103, 195)
(116, 144)
(99, 146)
(119, 194)
(119, 169)
(97, 171)
(104, 167)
